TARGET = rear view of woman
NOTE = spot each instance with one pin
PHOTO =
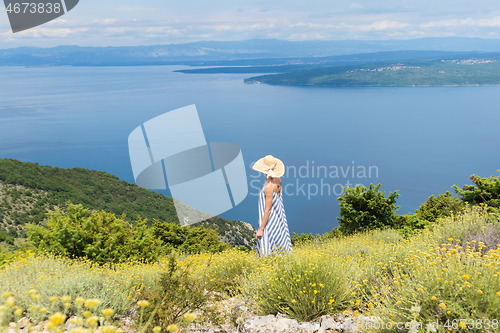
(272, 235)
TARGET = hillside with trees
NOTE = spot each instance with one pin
(28, 190)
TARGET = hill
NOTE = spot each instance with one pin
(28, 189)
(197, 53)
(479, 70)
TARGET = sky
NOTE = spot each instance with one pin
(150, 22)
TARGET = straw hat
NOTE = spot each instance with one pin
(270, 165)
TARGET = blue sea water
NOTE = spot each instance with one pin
(418, 140)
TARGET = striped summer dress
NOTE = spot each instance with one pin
(276, 237)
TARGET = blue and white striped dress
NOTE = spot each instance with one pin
(276, 237)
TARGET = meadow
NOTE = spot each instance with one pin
(446, 274)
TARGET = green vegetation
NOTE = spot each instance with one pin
(438, 207)
(483, 191)
(27, 190)
(436, 72)
(446, 269)
(363, 208)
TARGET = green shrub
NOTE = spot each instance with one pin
(441, 206)
(187, 239)
(77, 232)
(363, 208)
(301, 239)
(408, 224)
(483, 191)
(176, 294)
(301, 287)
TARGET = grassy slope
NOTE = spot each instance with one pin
(27, 189)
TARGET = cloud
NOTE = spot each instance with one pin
(381, 25)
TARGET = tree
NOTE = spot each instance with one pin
(483, 190)
(363, 208)
(437, 207)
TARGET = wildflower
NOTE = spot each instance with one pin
(87, 314)
(479, 291)
(108, 312)
(442, 305)
(315, 291)
(79, 301)
(76, 321)
(7, 294)
(92, 321)
(143, 303)
(18, 312)
(31, 292)
(43, 310)
(66, 299)
(498, 293)
(189, 317)
(92, 303)
(157, 329)
(10, 301)
(172, 328)
(466, 276)
(57, 318)
(434, 298)
(108, 329)
(53, 299)
(398, 303)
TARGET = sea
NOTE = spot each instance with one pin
(418, 141)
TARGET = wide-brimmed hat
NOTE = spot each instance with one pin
(270, 165)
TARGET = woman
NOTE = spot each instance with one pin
(273, 234)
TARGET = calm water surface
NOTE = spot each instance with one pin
(419, 141)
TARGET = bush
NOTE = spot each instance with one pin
(187, 239)
(176, 295)
(301, 287)
(441, 206)
(484, 190)
(363, 208)
(78, 232)
(408, 224)
(301, 239)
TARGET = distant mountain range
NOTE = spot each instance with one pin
(213, 52)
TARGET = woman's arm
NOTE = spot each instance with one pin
(268, 191)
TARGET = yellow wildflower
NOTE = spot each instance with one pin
(92, 303)
(442, 305)
(172, 328)
(92, 321)
(143, 303)
(190, 317)
(108, 312)
(57, 318)
(157, 329)
(79, 301)
(10, 301)
(108, 329)
(66, 299)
